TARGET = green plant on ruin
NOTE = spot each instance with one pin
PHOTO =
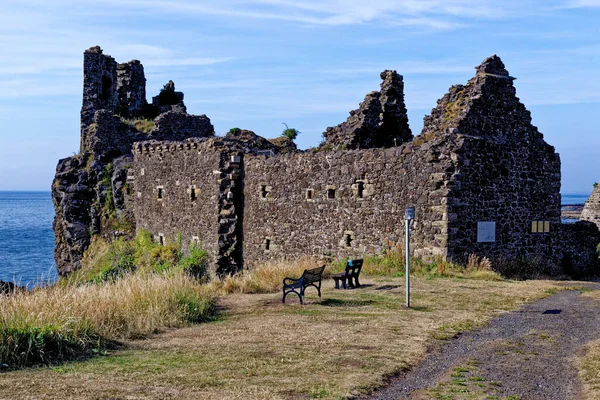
(235, 131)
(89, 161)
(290, 133)
(595, 185)
(141, 125)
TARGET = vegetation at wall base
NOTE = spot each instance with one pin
(104, 261)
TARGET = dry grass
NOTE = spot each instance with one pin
(345, 344)
(266, 278)
(392, 263)
(142, 125)
(132, 307)
(589, 363)
(589, 371)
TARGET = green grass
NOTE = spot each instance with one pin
(141, 125)
(23, 344)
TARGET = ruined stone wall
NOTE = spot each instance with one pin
(189, 198)
(131, 89)
(591, 210)
(512, 186)
(311, 204)
(380, 121)
(99, 88)
(192, 189)
(506, 173)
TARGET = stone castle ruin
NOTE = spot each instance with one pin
(480, 175)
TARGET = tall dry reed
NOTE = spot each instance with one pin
(48, 324)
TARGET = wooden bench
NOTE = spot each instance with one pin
(310, 277)
(350, 275)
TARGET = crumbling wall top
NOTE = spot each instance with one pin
(380, 121)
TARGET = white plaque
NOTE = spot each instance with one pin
(486, 232)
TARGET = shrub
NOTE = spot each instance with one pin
(196, 264)
(235, 131)
(290, 133)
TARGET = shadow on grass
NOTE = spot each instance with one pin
(387, 287)
(345, 303)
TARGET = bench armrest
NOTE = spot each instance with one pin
(290, 281)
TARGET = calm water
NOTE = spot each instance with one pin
(574, 198)
(27, 240)
(26, 237)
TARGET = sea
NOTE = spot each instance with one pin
(27, 239)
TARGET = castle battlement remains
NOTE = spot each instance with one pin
(480, 175)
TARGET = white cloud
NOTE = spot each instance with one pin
(434, 14)
(582, 3)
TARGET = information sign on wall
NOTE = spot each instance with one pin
(486, 232)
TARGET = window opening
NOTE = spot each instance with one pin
(267, 244)
(264, 191)
(331, 193)
(160, 193)
(106, 87)
(310, 193)
(348, 240)
(360, 188)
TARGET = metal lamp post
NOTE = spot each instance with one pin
(409, 215)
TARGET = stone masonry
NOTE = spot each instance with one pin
(380, 121)
(92, 192)
(480, 175)
(591, 209)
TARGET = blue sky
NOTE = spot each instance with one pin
(257, 63)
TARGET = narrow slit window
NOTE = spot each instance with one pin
(106, 87)
(193, 195)
(360, 188)
(267, 244)
(160, 193)
(161, 239)
(264, 191)
(331, 193)
(348, 240)
(310, 194)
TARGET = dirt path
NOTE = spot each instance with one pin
(526, 354)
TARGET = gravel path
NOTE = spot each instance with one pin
(526, 354)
